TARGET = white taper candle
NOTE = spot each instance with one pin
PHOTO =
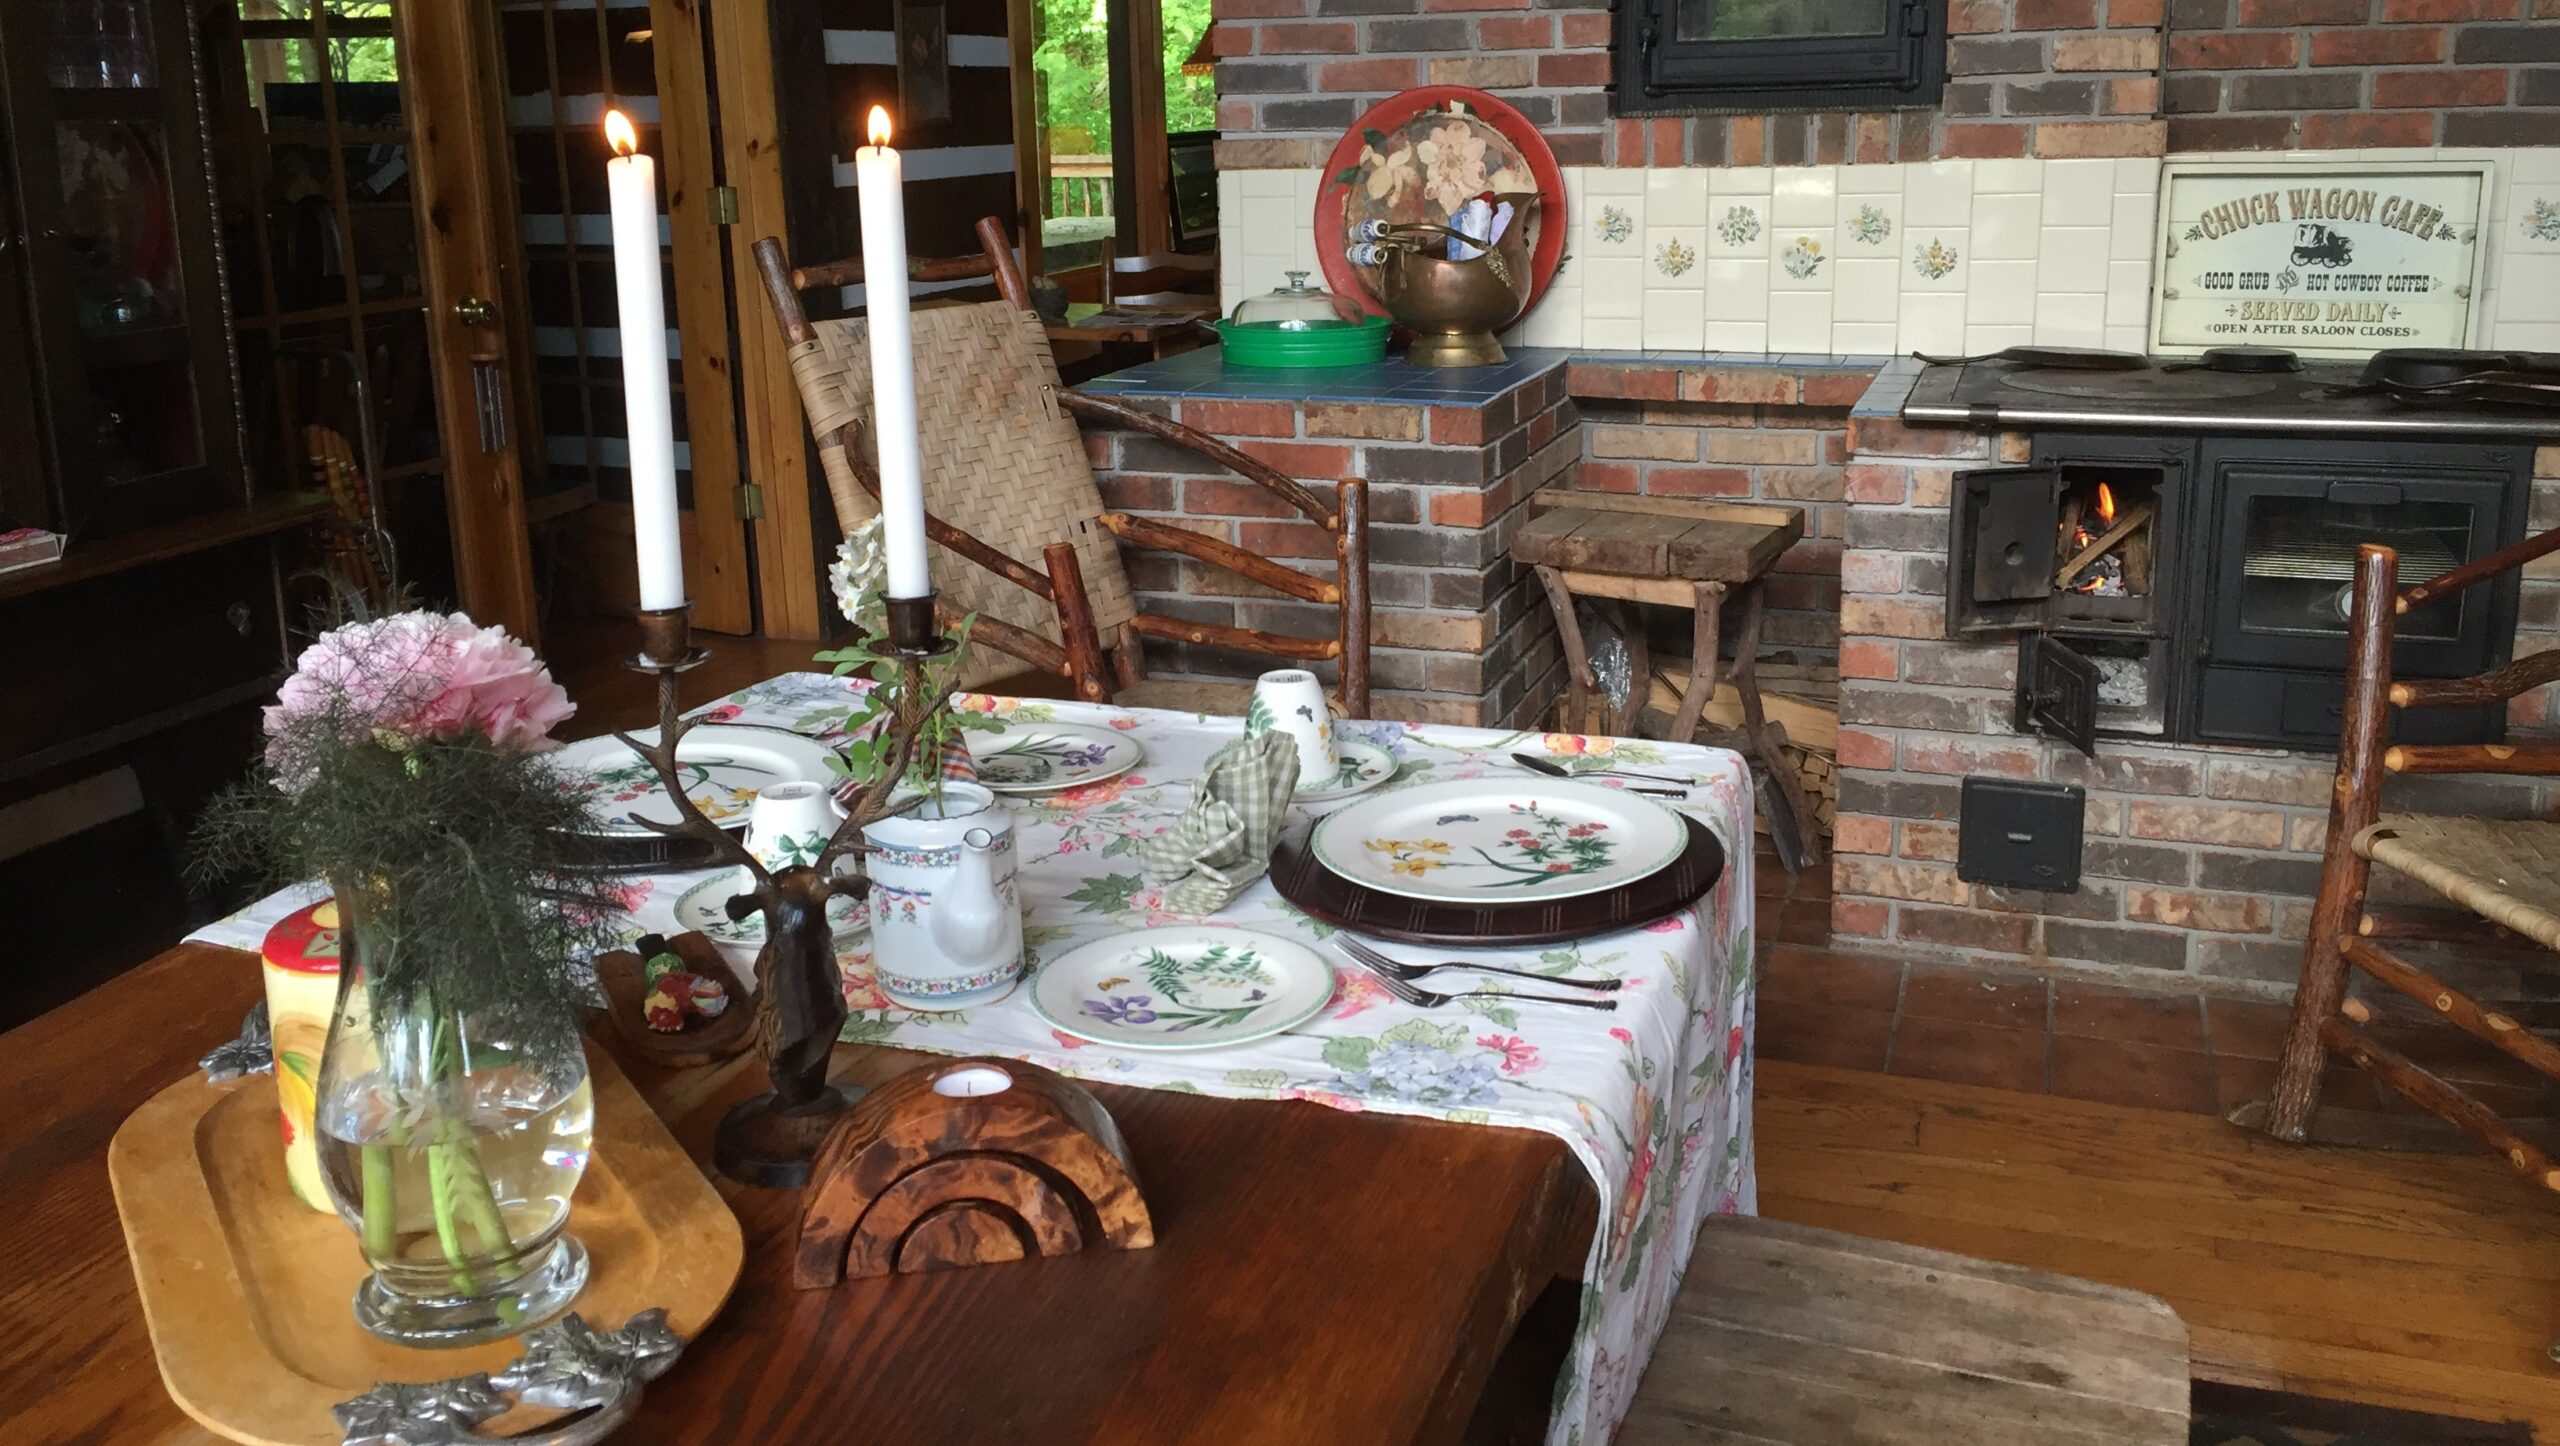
(649, 426)
(879, 188)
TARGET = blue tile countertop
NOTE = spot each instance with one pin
(1204, 373)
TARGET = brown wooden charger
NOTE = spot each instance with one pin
(1327, 897)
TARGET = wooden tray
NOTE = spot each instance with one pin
(247, 1291)
(1329, 898)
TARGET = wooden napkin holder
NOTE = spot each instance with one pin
(967, 1162)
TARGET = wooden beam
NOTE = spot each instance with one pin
(1030, 175)
(1242, 640)
(2479, 569)
(2500, 1029)
(2521, 676)
(1143, 532)
(777, 432)
(2440, 1099)
(2524, 758)
(715, 565)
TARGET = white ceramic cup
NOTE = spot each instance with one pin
(1291, 701)
(789, 823)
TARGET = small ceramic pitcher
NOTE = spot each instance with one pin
(946, 923)
(1291, 701)
(789, 824)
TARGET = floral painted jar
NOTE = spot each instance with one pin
(946, 921)
(300, 961)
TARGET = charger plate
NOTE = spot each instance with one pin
(1328, 898)
(725, 764)
(1499, 840)
(248, 1292)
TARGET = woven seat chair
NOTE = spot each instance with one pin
(2506, 872)
(1006, 475)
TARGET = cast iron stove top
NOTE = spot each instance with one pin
(1996, 393)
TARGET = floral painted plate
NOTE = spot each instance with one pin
(1044, 757)
(1493, 841)
(725, 767)
(1195, 987)
(702, 909)
(1364, 767)
(1419, 156)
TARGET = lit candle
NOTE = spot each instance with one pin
(649, 427)
(879, 188)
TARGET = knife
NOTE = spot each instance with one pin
(1679, 787)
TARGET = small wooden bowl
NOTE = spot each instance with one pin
(702, 1041)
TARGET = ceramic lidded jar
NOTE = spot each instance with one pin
(946, 922)
(300, 961)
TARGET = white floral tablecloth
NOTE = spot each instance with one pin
(1654, 1098)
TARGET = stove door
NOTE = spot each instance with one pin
(2000, 555)
(2286, 531)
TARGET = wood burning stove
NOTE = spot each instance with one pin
(2193, 588)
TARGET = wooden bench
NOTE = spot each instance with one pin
(1680, 552)
(1784, 1335)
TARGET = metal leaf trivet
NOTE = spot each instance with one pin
(568, 1364)
(252, 1053)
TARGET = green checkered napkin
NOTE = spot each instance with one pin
(1223, 842)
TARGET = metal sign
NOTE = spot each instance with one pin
(2331, 260)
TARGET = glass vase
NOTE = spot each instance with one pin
(451, 1149)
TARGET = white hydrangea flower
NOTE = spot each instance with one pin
(860, 577)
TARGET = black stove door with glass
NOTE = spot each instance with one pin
(2192, 589)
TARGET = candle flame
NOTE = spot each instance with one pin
(618, 131)
(2106, 503)
(879, 125)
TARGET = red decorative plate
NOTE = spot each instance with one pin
(1417, 156)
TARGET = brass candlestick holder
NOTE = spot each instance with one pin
(769, 1140)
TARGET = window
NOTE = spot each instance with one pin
(1676, 55)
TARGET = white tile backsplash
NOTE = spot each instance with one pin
(2057, 252)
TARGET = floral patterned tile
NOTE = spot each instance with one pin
(1613, 223)
(1805, 261)
(1935, 260)
(1673, 257)
(1866, 223)
(1740, 227)
(2537, 220)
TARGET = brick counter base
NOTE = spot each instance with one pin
(2200, 860)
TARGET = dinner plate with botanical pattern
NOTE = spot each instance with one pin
(725, 767)
(1044, 757)
(1192, 987)
(1495, 841)
(1363, 767)
(703, 909)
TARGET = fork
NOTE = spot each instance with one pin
(1410, 972)
(1552, 769)
(1432, 999)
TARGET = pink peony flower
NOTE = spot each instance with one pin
(419, 677)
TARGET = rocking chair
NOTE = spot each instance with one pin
(1003, 458)
(2507, 872)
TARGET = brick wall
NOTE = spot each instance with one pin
(2279, 74)
(1460, 635)
(2200, 860)
(2053, 78)
(1747, 433)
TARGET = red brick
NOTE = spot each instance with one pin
(1977, 17)
(1871, 572)
(1310, 40)
(1836, 389)
(1969, 929)
(1890, 438)
(2055, 15)
(1606, 477)
(1475, 4)
(2227, 51)
(1648, 384)
(1583, 29)
(1462, 508)
(1364, 419)
(1576, 68)
(1858, 918)
(2134, 14)
(1877, 484)
(1860, 658)
(1751, 386)
(1933, 841)
(1241, 419)
(1666, 132)
(1983, 142)
(1747, 138)
(1128, 492)
(2214, 913)
(1379, 74)
(1869, 617)
(1854, 835)
(1285, 539)
(2397, 11)
(1235, 115)
(2133, 95)
(1516, 32)
(2375, 45)
(2436, 89)
(1299, 459)
(1920, 883)
(1856, 748)
(1627, 143)
(1098, 449)
(2401, 128)
(1698, 482)
(2194, 823)
(1956, 755)
(2286, 14)
(1234, 39)
(1257, 9)
(1218, 497)
(2101, 138)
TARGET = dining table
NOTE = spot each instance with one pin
(1353, 1219)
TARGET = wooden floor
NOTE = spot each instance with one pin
(2425, 1282)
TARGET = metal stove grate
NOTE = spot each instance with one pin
(2326, 552)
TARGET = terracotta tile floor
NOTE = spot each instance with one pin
(2030, 1032)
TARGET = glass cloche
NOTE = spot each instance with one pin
(1297, 307)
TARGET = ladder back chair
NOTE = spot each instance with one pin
(2504, 872)
(1003, 458)
(1159, 280)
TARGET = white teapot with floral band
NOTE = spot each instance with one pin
(946, 922)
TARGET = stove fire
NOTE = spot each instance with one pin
(2103, 546)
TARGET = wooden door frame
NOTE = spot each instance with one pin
(449, 57)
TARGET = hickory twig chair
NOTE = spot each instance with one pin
(2506, 872)
(1003, 460)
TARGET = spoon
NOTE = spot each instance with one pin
(1553, 769)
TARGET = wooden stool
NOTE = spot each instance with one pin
(1681, 552)
(1784, 1335)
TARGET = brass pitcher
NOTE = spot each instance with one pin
(1454, 308)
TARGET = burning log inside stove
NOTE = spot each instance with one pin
(2106, 550)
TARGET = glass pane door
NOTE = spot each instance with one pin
(1731, 20)
(2299, 557)
(1079, 196)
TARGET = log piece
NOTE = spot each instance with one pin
(2502, 1030)
(2440, 1099)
